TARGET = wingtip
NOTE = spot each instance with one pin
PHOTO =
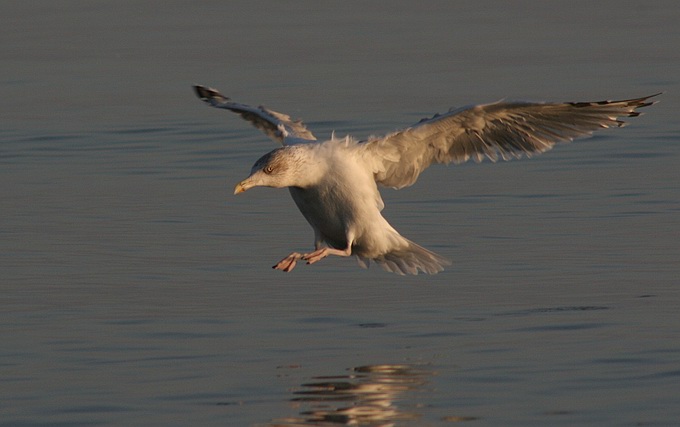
(199, 90)
(208, 94)
(654, 101)
(645, 101)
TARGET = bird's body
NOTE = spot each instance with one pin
(343, 205)
(334, 183)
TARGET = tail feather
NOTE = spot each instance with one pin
(409, 259)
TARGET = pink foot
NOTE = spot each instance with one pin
(315, 256)
(288, 263)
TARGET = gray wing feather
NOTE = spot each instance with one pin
(278, 126)
(504, 130)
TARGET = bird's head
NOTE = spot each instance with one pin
(278, 168)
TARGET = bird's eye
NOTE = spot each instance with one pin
(268, 170)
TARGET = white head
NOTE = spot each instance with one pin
(283, 167)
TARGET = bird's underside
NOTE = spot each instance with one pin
(501, 130)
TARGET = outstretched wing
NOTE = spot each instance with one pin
(279, 127)
(500, 130)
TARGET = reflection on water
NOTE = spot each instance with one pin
(373, 396)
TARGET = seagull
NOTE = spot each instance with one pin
(335, 182)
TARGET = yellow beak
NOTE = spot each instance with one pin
(246, 184)
(240, 188)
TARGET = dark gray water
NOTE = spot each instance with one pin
(136, 290)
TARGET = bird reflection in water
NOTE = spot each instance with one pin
(368, 396)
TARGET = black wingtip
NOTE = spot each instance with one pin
(634, 103)
(652, 102)
(201, 92)
(208, 94)
(645, 101)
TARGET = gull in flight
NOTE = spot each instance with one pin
(334, 183)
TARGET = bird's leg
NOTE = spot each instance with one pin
(322, 253)
(288, 263)
(319, 253)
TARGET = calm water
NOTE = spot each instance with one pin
(136, 290)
